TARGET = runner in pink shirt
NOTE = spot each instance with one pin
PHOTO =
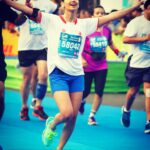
(95, 64)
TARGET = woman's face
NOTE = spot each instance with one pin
(98, 12)
(71, 5)
(147, 12)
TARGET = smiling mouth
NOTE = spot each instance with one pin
(73, 4)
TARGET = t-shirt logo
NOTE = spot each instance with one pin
(69, 45)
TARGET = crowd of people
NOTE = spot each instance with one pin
(68, 46)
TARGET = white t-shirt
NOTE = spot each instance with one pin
(32, 36)
(139, 27)
(66, 41)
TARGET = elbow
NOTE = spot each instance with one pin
(125, 40)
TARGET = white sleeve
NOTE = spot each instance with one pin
(20, 2)
(52, 7)
(131, 29)
(91, 25)
(45, 20)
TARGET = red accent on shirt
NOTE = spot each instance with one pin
(39, 18)
(63, 19)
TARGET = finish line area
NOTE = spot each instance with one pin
(109, 134)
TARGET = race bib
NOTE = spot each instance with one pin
(35, 28)
(145, 47)
(98, 44)
(69, 45)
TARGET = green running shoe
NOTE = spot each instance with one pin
(48, 134)
(49, 120)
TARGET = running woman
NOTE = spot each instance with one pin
(95, 64)
(32, 47)
(66, 37)
(137, 33)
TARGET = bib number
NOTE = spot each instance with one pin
(145, 47)
(98, 44)
(69, 45)
(35, 28)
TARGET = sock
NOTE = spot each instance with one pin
(92, 113)
(148, 121)
(124, 108)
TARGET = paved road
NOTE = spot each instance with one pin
(119, 99)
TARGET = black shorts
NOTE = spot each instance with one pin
(99, 78)
(3, 72)
(27, 58)
(136, 76)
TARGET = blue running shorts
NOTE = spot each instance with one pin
(60, 81)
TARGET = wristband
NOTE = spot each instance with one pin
(116, 51)
(35, 12)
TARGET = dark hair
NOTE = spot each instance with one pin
(98, 6)
(85, 10)
(126, 19)
(139, 10)
(58, 1)
(146, 4)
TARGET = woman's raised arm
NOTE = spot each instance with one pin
(118, 14)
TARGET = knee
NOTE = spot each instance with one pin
(26, 79)
(67, 115)
(133, 91)
(42, 77)
(99, 93)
